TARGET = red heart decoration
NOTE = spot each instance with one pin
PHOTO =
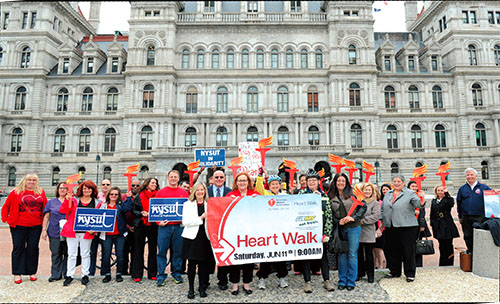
(271, 202)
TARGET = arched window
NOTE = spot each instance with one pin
(319, 59)
(252, 134)
(313, 136)
(146, 138)
(190, 137)
(87, 98)
(25, 58)
(84, 141)
(222, 100)
(215, 59)
(252, 100)
(1, 55)
(352, 54)
(418, 164)
(416, 137)
(107, 173)
(275, 59)
(221, 137)
(192, 100)
(282, 99)
(480, 135)
(472, 55)
(354, 95)
(144, 172)
(150, 55)
(245, 58)
(440, 135)
(12, 177)
(437, 97)
(55, 176)
(303, 59)
(392, 137)
(62, 100)
(356, 136)
(477, 95)
(59, 140)
(496, 54)
(109, 140)
(83, 170)
(413, 97)
(185, 59)
(230, 59)
(20, 103)
(16, 140)
(112, 99)
(289, 59)
(148, 96)
(390, 97)
(312, 99)
(485, 174)
(200, 59)
(260, 59)
(394, 168)
(283, 136)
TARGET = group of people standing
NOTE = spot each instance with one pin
(388, 222)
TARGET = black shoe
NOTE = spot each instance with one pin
(391, 276)
(341, 287)
(51, 279)
(85, 280)
(247, 291)
(106, 279)
(371, 280)
(203, 294)
(223, 287)
(350, 288)
(191, 294)
(68, 281)
(235, 292)
(410, 279)
(119, 278)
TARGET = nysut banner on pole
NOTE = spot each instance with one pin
(265, 228)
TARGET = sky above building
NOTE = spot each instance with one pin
(389, 16)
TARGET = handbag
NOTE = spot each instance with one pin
(338, 242)
(424, 247)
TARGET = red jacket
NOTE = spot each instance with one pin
(69, 208)
(238, 193)
(33, 216)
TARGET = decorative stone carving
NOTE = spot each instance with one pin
(139, 34)
(341, 34)
(161, 34)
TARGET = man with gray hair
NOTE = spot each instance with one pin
(470, 205)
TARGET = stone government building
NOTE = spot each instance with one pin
(206, 74)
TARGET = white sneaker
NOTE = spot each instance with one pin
(283, 283)
(262, 283)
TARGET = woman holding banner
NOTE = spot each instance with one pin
(117, 237)
(312, 182)
(196, 246)
(242, 187)
(340, 197)
(401, 228)
(23, 212)
(144, 229)
(87, 195)
(274, 183)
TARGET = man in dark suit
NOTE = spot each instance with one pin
(218, 189)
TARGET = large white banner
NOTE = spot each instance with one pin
(251, 158)
(258, 229)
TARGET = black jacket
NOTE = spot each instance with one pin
(442, 222)
(423, 223)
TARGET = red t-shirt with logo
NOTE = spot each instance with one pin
(115, 232)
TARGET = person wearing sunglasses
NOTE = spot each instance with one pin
(116, 237)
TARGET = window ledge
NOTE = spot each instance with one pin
(391, 110)
(13, 154)
(16, 112)
(480, 108)
(146, 109)
(85, 113)
(416, 110)
(439, 110)
(418, 150)
(58, 113)
(144, 152)
(82, 154)
(484, 148)
(56, 154)
(358, 150)
(443, 150)
(108, 154)
(394, 150)
(110, 113)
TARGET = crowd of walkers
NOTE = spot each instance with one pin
(384, 228)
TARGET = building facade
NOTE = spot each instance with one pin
(206, 74)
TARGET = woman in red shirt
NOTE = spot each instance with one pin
(23, 212)
(242, 186)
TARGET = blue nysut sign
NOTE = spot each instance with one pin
(169, 209)
(99, 220)
(210, 157)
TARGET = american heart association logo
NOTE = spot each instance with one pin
(271, 202)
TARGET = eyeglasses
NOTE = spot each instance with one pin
(218, 177)
(113, 194)
(135, 186)
(242, 180)
(105, 184)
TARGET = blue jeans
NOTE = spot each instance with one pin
(107, 248)
(169, 236)
(348, 262)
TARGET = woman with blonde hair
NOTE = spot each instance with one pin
(196, 246)
(367, 238)
(23, 212)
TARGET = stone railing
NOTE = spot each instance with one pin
(251, 17)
